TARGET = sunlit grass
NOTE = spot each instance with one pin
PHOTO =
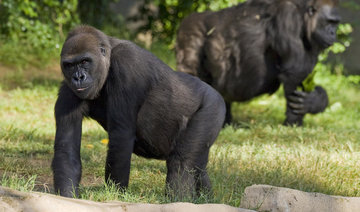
(23, 183)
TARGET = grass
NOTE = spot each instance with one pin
(323, 156)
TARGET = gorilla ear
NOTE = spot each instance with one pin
(103, 51)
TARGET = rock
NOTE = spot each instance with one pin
(16, 201)
(276, 199)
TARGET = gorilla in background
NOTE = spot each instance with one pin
(250, 49)
(146, 108)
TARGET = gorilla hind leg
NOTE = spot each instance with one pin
(186, 165)
(202, 179)
(228, 116)
(185, 181)
(180, 181)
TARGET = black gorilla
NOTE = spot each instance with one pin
(250, 49)
(145, 107)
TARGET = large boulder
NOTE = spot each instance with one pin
(276, 199)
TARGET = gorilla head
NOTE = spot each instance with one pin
(85, 61)
(322, 19)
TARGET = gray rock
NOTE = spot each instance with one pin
(276, 199)
(16, 201)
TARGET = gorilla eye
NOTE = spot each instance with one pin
(311, 11)
(85, 61)
(67, 65)
(102, 50)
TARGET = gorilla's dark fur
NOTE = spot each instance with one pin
(146, 108)
(250, 49)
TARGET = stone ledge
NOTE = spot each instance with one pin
(258, 197)
(277, 199)
(16, 201)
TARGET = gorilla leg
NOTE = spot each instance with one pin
(188, 178)
(203, 183)
(228, 116)
(180, 180)
(187, 163)
(293, 119)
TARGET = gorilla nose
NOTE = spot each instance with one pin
(79, 76)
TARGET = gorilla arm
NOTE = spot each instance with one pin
(296, 65)
(121, 144)
(66, 163)
(125, 92)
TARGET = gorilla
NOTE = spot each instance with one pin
(145, 107)
(250, 49)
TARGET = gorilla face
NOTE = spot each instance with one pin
(84, 63)
(328, 19)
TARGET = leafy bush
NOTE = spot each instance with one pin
(34, 28)
(163, 17)
(101, 15)
(95, 13)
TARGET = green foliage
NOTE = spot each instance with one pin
(100, 15)
(164, 23)
(96, 13)
(343, 33)
(351, 4)
(308, 84)
(37, 20)
(34, 27)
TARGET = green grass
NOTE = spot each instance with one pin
(323, 156)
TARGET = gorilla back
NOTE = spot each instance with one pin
(250, 49)
(145, 107)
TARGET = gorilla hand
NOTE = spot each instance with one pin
(301, 102)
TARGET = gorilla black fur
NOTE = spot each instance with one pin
(250, 49)
(146, 108)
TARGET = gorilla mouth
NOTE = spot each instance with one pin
(82, 89)
(328, 43)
